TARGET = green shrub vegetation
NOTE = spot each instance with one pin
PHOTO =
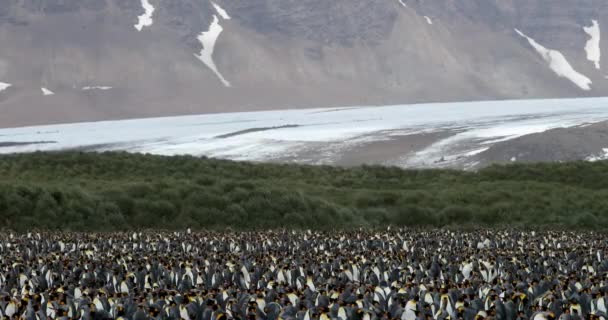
(116, 191)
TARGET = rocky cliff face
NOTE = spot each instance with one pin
(80, 60)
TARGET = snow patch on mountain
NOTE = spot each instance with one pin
(403, 3)
(593, 44)
(559, 64)
(47, 92)
(221, 11)
(428, 20)
(145, 20)
(87, 88)
(599, 157)
(208, 39)
(4, 86)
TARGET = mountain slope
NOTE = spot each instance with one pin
(141, 58)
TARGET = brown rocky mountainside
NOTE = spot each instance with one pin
(81, 60)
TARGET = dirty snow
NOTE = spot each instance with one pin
(428, 20)
(4, 86)
(559, 64)
(47, 92)
(221, 11)
(593, 44)
(87, 88)
(208, 40)
(599, 157)
(145, 20)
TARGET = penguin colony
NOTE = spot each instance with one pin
(272, 275)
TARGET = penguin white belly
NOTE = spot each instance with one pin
(11, 309)
(310, 284)
(261, 303)
(50, 311)
(292, 298)
(466, 270)
(356, 274)
(98, 304)
(601, 304)
(349, 275)
(408, 315)
(183, 313)
(281, 277)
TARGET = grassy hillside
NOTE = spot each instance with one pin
(110, 191)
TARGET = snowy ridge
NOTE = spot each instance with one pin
(221, 11)
(593, 44)
(47, 92)
(208, 40)
(403, 3)
(4, 86)
(145, 20)
(87, 88)
(559, 64)
(428, 20)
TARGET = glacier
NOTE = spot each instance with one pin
(317, 136)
